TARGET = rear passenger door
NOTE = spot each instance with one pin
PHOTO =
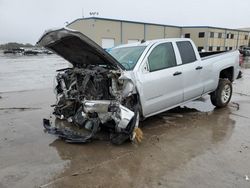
(192, 70)
(161, 82)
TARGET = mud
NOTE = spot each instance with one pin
(191, 146)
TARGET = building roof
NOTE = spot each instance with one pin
(212, 27)
(137, 22)
(109, 19)
(245, 29)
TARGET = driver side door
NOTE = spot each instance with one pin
(161, 81)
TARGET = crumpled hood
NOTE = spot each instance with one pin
(77, 48)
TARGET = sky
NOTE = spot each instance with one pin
(25, 20)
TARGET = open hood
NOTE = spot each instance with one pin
(77, 48)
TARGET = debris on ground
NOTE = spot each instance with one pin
(138, 134)
(20, 108)
(246, 177)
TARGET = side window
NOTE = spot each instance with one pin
(186, 52)
(161, 57)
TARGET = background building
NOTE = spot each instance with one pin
(110, 32)
(216, 39)
(246, 29)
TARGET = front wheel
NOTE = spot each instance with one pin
(222, 95)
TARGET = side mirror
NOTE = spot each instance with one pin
(145, 68)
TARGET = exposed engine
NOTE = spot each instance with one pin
(92, 98)
(97, 93)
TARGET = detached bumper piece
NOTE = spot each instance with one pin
(239, 75)
(71, 136)
(120, 123)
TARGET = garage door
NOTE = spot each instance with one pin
(108, 43)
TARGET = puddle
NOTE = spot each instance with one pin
(192, 143)
(165, 146)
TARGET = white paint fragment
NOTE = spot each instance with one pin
(247, 178)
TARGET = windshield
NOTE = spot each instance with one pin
(127, 56)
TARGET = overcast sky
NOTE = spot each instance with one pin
(25, 20)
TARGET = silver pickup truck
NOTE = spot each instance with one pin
(114, 89)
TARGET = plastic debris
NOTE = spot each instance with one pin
(138, 134)
(246, 177)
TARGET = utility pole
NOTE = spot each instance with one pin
(82, 13)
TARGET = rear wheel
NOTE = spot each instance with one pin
(222, 95)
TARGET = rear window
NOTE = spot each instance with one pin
(186, 52)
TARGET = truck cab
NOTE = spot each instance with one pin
(170, 72)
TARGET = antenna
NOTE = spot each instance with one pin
(82, 13)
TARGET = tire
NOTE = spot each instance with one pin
(222, 95)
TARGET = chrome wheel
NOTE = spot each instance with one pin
(226, 94)
(222, 95)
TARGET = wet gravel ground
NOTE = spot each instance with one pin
(192, 146)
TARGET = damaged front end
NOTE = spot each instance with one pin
(94, 94)
(94, 98)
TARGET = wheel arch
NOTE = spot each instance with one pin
(227, 73)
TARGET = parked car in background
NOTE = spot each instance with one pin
(13, 51)
(245, 50)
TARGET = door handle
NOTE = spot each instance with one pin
(198, 68)
(177, 73)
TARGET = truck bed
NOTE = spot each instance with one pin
(208, 55)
